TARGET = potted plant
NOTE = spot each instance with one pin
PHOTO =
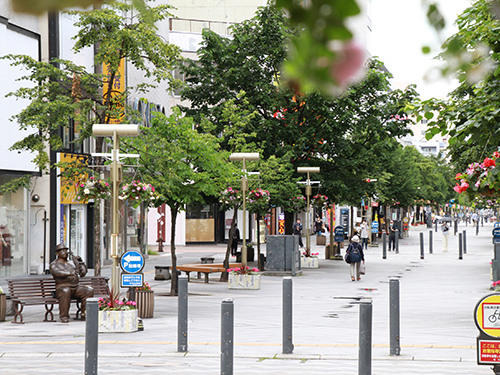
(117, 315)
(136, 192)
(243, 278)
(480, 179)
(93, 188)
(145, 299)
(3, 305)
(309, 261)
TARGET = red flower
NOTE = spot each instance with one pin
(458, 176)
(489, 163)
(496, 154)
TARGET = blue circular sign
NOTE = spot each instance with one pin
(496, 232)
(339, 233)
(132, 262)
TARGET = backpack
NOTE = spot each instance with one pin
(352, 254)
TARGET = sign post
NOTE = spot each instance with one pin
(339, 237)
(487, 319)
(131, 263)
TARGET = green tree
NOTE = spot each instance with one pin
(62, 93)
(346, 136)
(183, 165)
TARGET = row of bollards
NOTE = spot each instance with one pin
(227, 328)
(462, 244)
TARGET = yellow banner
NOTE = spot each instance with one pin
(68, 187)
(117, 88)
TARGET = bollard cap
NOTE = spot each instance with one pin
(287, 278)
(93, 299)
(227, 300)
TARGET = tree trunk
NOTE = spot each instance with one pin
(223, 276)
(173, 284)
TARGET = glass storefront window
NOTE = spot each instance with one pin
(13, 230)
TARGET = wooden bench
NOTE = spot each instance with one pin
(207, 269)
(41, 290)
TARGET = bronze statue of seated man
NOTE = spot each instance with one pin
(67, 274)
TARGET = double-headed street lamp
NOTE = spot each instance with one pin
(116, 131)
(244, 156)
(308, 194)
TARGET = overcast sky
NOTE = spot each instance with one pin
(400, 29)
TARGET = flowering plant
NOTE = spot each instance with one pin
(93, 188)
(481, 178)
(114, 304)
(319, 201)
(312, 255)
(299, 203)
(243, 271)
(258, 200)
(229, 198)
(137, 191)
(145, 287)
(495, 286)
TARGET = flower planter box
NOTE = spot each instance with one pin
(246, 281)
(118, 321)
(309, 262)
(3, 306)
(145, 303)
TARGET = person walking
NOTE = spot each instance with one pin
(356, 255)
(318, 226)
(297, 231)
(445, 230)
(236, 239)
(392, 235)
(364, 235)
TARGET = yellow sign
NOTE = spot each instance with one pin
(68, 187)
(117, 88)
(487, 315)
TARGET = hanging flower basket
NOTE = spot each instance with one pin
(93, 188)
(136, 192)
(229, 198)
(258, 200)
(319, 201)
(299, 203)
(480, 178)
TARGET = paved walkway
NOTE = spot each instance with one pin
(438, 335)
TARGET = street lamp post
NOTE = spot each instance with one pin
(308, 194)
(115, 130)
(244, 156)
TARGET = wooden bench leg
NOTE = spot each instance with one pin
(48, 311)
(19, 313)
(206, 277)
(199, 275)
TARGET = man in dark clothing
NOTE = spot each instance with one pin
(297, 231)
(392, 235)
(236, 239)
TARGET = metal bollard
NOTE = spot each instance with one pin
(494, 270)
(287, 315)
(91, 336)
(396, 242)
(421, 245)
(227, 337)
(430, 242)
(395, 345)
(384, 245)
(464, 239)
(436, 226)
(477, 227)
(182, 314)
(455, 226)
(365, 338)
(460, 253)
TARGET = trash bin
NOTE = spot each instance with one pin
(162, 272)
(320, 240)
(283, 253)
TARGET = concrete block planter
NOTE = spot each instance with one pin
(246, 281)
(309, 262)
(118, 321)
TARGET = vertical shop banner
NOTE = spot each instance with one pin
(117, 88)
(69, 187)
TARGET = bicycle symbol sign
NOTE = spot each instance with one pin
(491, 314)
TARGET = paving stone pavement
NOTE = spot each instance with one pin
(438, 335)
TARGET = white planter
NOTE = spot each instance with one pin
(118, 321)
(309, 262)
(236, 281)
